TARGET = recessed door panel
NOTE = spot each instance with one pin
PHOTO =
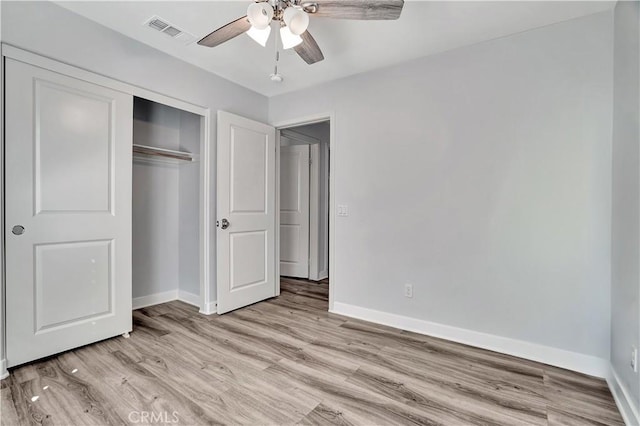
(68, 146)
(248, 171)
(73, 148)
(246, 212)
(290, 179)
(76, 276)
(289, 243)
(252, 245)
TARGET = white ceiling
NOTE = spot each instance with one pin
(349, 47)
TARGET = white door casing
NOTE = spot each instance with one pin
(68, 184)
(246, 200)
(294, 210)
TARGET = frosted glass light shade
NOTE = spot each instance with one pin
(259, 36)
(288, 38)
(296, 19)
(260, 15)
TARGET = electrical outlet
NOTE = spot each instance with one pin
(634, 359)
(408, 290)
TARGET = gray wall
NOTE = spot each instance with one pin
(55, 32)
(625, 259)
(482, 176)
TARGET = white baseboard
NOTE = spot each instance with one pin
(582, 363)
(209, 308)
(168, 296)
(4, 373)
(190, 298)
(323, 274)
(624, 401)
(154, 299)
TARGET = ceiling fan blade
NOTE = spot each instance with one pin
(225, 33)
(356, 9)
(308, 49)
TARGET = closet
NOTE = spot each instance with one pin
(166, 204)
(105, 205)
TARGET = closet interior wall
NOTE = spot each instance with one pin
(166, 207)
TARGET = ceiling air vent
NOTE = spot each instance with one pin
(157, 24)
(162, 25)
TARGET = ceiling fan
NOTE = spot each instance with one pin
(293, 18)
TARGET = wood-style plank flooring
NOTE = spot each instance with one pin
(288, 361)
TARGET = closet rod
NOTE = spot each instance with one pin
(161, 152)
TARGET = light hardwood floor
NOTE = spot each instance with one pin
(288, 361)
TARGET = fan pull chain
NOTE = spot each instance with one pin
(276, 77)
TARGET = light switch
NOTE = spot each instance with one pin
(343, 210)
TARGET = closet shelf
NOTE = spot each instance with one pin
(161, 154)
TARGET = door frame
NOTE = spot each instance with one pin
(315, 215)
(207, 305)
(3, 356)
(314, 208)
(296, 122)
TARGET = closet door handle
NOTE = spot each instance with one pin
(224, 224)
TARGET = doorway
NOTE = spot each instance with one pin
(304, 201)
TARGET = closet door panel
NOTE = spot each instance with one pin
(68, 212)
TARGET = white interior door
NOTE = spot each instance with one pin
(294, 210)
(246, 212)
(68, 212)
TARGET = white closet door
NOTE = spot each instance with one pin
(246, 260)
(68, 212)
(294, 211)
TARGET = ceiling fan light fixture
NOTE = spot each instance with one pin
(259, 36)
(288, 38)
(296, 19)
(260, 15)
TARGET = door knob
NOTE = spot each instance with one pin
(225, 224)
(17, 230)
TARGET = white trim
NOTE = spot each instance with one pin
(4, 373)
(154, 299)
(3, 348)
(582, 363)
(314, 212)
(168, 296)
(311, 119)
(206, 211)
(190, 298)
(277, 228)
(205, 151)
(209, 308)
(324, 214)
(624, 401)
